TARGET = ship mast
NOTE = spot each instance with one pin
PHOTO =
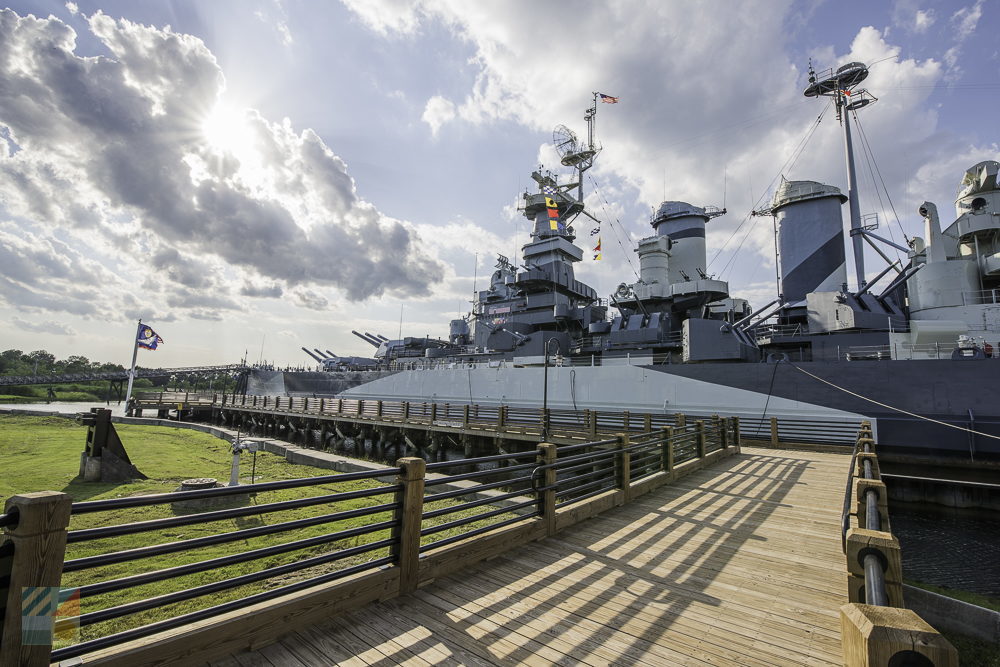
(840, 85)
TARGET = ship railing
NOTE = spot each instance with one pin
(898, 351)
(875, 618)
(163, 576)
(766, 331)
(981, 297)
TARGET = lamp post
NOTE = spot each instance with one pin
(545, 388)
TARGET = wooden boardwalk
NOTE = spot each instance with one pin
(738, 564)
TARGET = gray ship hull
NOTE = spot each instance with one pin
(959, 393)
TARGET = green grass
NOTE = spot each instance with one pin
(970, 651)
(964, 596)
(42, 453)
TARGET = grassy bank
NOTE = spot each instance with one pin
(971, 651)
(42, 453)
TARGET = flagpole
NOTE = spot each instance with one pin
(131, 372)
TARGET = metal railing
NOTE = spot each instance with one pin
(575, 425)
(981, 297)
(398, 516)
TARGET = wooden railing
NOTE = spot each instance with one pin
(564, 424)
(419, 521)
(877, 629)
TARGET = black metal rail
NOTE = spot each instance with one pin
(461, 499)
(873, 561)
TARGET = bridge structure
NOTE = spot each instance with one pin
(117, 379)
(120, 375)
(675, 546)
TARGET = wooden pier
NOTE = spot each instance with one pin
(736, 564)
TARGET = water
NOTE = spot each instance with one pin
(949, 547)
(65, 408)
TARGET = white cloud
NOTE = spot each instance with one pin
(923, 20)
(437, 112)
(113, 153)
(966, 19)
(46, 327)
(686, 118)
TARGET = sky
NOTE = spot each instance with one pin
(253, 176)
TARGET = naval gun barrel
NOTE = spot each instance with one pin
(366, 338)
(318, 359)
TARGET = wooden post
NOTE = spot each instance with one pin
(361, 407)
(378, 409)
(501, 417)
(547, 501)
(647, 423)
(668, 449)
(406, 411)
(723, 431)
(465, 416)
(340, 405)
(624, 463)
(409, 514)
(592, 415)
(880, 636)
(699, 428)
(681, 420)
(736, 433)
(625, 421)
(434, 412)
(774, 432)
(39, 549)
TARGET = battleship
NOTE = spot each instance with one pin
(915, 348)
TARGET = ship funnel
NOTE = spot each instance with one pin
(810, 238)
(684, 223)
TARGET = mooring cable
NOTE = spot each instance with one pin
(891, 407)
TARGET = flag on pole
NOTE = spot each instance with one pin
(597, 250)
(608, 99)
(147, 338)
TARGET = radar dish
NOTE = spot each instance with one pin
(564, 140)
(829, 83)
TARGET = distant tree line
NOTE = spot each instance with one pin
(42, 362)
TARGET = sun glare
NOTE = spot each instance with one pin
(227, 130)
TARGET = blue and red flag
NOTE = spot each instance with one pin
(147, 338)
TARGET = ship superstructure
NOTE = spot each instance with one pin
(911, 347)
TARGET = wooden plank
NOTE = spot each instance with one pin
(250, 627)
(731, 565)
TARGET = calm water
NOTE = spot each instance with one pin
(954, 548)
(66, 408)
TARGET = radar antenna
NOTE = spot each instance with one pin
(574, 154)
(840, 86)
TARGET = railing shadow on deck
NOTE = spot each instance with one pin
(552, 492)
(609, 561)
